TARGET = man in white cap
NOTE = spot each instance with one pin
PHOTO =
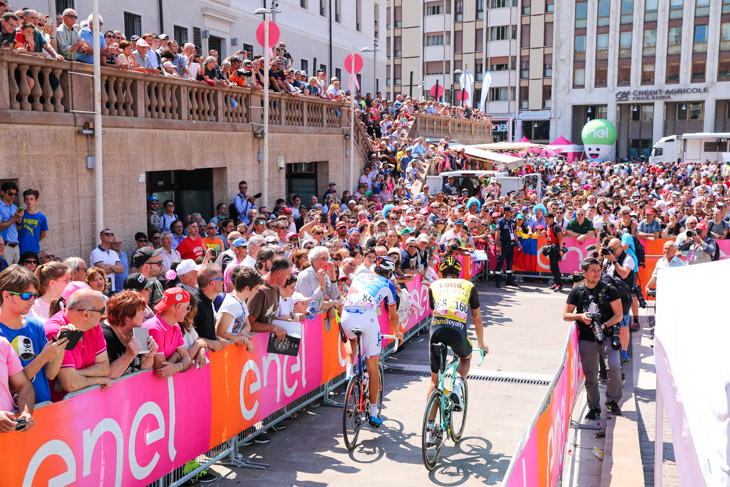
(144, 60)
(187, 272)
(409, 257)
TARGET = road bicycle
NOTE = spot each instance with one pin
(357, 396)
(447, 422)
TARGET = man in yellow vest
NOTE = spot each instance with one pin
(451, 300)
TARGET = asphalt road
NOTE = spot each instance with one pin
(525, 334)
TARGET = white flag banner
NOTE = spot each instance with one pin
(486, 83)
(466, 80)
(693, 370)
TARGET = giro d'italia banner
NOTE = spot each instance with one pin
(143, 427)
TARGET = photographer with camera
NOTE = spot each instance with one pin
(596, 308)
(554, 250)
(621, 265)
(699, 246)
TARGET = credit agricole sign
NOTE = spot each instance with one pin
(659, 93)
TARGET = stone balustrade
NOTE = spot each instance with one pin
(35, 84)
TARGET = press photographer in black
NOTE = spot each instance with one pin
(596, 308)
(620, 265)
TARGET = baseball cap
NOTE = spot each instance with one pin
(137, 282)
(272, 240)
(143, 255)
(507, 208)
(291, 235)
(153, 198)
(423, 237)
(186, 266)
(520, 216)
(164, 37)
(239, 242)
(702, 225)
(299, 297)
(72, 287)
(332, 183)
(134, 38)
(171, 297)
(142, 43)
(340, 224)
(411, 240)
(286, 210)
(459, 222)
(649, 211)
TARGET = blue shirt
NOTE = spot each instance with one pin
(119, 277)
(28, 342)
(87, 36)
(29, 236)
(10, 234)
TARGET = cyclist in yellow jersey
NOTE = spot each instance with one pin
(451, 300)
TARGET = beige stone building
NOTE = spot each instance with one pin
(510, 38)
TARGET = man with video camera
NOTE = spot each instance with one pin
(596, 308)
(620, 265)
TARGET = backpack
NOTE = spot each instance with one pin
(623, 291)
(640, 252)
(233, 212)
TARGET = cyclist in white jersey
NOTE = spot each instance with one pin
(360, 312)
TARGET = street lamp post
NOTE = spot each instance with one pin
(374, 50)
(456, 71)
(352, 119)
(265, 190)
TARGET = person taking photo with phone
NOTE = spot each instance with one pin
(41, 358)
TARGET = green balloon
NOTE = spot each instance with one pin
(598, 132)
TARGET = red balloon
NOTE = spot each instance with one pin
(358, 63)
(440, 93)
(273, 34)
(463, 95)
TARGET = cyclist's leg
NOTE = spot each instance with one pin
(436, 360)
(463, 350)
(348, 322)
(371, 342)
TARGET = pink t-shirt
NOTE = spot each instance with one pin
(9, 366)
(85, 352)
(168, 337)
(227, 276)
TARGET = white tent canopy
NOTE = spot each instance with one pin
(511, 162)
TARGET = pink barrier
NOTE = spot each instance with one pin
(538, 460)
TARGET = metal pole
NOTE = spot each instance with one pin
(98, 156)
(375, 67)
(265, 190)
(659, 437)
(437, 90)
(352, 120)
(410, 86)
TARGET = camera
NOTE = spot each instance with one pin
(21, 424)
(639, 295)
(690, 233)
(596, 325)
(652, 292)
(453, 247)
(615, 339)
(606, 251)
(578, 277)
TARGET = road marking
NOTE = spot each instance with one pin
(487, 374)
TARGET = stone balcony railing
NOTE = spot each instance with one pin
(65, 89)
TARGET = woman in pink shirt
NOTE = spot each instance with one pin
(172, 356)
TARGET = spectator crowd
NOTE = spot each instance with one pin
(195, 285)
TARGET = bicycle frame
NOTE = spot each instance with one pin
(446, 403)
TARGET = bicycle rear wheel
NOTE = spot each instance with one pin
(432, 437)
(352, 414)
(458, 418)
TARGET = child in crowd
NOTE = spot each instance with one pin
(233, 321)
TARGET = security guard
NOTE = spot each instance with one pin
(506, 242)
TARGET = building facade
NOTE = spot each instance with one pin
(429, 42)
(653, 68)
(319, 34)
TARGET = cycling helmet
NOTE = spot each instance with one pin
(385, 265)
(450, 265)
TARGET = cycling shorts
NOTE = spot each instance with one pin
(371, 339)
(458, 342)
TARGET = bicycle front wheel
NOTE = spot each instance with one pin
(432, 434)
(458, 418)
(352, 414)
(380, 387)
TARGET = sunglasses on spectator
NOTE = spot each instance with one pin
(25, 296)
(319, 233)
(100, 311)
(140, 240)
(70, 16)
(107, 234)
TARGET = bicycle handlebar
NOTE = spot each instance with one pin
(392, 337)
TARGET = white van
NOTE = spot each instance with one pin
(470, 181)
(691, 148)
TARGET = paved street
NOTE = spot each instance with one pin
(525, 334)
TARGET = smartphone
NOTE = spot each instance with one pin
(142, 334)
(73, 337)
(323, 218)
(326, 266)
